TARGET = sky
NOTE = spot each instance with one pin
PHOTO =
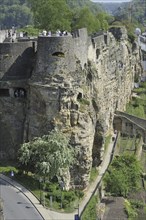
(115, 1)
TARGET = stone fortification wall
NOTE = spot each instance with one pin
(139, 121)
(58, 52)
(127, 126)
(16, 63)
(16, 60)
(99, 40)
(81, 46)
(61, 53)
(3, 35)
(76, 85)
(114, 73)
(13, 108)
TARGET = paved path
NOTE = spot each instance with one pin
(51, 215)
(114, 208)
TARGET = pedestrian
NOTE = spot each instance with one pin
(57, 33)
(49, 33)
(44, 33)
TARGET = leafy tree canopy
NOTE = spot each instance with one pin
(79, 4)
(69, 15)
(123, 175)
(65, 14)
(85, 18)
(14, 13)
(48, 155)
(51, 15)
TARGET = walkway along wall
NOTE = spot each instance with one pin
(98, 183)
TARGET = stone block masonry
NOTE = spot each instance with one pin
(3, 35)
(16, 60)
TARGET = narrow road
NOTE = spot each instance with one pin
(52, 215)
(16, 204)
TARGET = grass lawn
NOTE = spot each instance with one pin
(126, 144)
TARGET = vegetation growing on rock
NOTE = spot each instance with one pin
(123, 175)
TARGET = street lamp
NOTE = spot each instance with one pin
(40, 180)
(62, 185)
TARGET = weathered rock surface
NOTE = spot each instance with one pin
(76, 86)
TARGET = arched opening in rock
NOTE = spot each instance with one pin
(97, 53)
(80, 96)
(19, 93)
(58, 54)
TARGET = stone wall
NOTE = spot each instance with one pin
(13, 110)
(61, 53)
(16, 63)
(3, 35)
(130, 124)
(16, 60)
(76, 85)
(78, 90)
(139, 121)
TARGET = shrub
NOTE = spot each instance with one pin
(90, 211)
(123, 175)
(79, 194)
(130, 211)
(84, 101)
(65, 197)
(131, 37)
(137, 204)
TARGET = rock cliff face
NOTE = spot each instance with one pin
(77, 84)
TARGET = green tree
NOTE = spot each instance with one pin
(85, 18)
(123, 175)
(14, 13)
(103, 19)
(79, 4)
(47, 156)
(51, 15)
